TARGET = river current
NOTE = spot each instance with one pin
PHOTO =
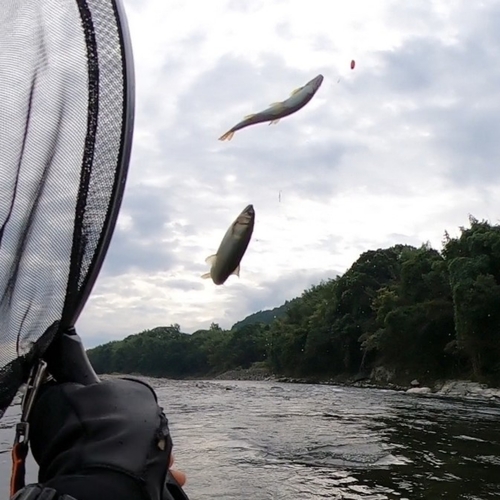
(239, 440)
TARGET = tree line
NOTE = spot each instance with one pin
(416, 312)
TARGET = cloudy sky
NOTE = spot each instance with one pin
(399, 150)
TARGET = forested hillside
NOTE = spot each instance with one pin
(416, 312)
(266, 317)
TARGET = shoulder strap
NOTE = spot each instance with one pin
(37, 492)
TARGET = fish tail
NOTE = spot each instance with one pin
(227, 136)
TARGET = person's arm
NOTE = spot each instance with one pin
(107, 440)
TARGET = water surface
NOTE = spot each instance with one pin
(266, 440)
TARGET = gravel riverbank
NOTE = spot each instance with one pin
(466, 389)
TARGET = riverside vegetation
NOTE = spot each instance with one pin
(398, 313)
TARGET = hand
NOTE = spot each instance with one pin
(179, 476)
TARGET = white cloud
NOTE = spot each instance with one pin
(403, 148)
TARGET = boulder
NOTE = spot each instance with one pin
(419, 390)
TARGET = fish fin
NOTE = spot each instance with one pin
(211, 259)
(227, 136)
(205, 276)
(274, 122)
(237, 271)
(276, 104)
(249, 116)
(296, 90)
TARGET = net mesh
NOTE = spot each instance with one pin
(63, 134)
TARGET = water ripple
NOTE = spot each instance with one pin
(265, 440)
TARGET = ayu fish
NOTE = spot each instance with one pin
(277, 110)
(232, 248)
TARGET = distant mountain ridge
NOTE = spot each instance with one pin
(266, 317)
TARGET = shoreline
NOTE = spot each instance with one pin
(453, 388)
(456, 388)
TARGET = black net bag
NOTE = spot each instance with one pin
(66, 120)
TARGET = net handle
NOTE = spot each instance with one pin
(67, 360)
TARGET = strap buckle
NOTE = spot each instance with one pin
(35, 380)
(20, 448)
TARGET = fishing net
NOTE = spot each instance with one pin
(66, 117)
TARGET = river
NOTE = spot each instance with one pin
(239, 440)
